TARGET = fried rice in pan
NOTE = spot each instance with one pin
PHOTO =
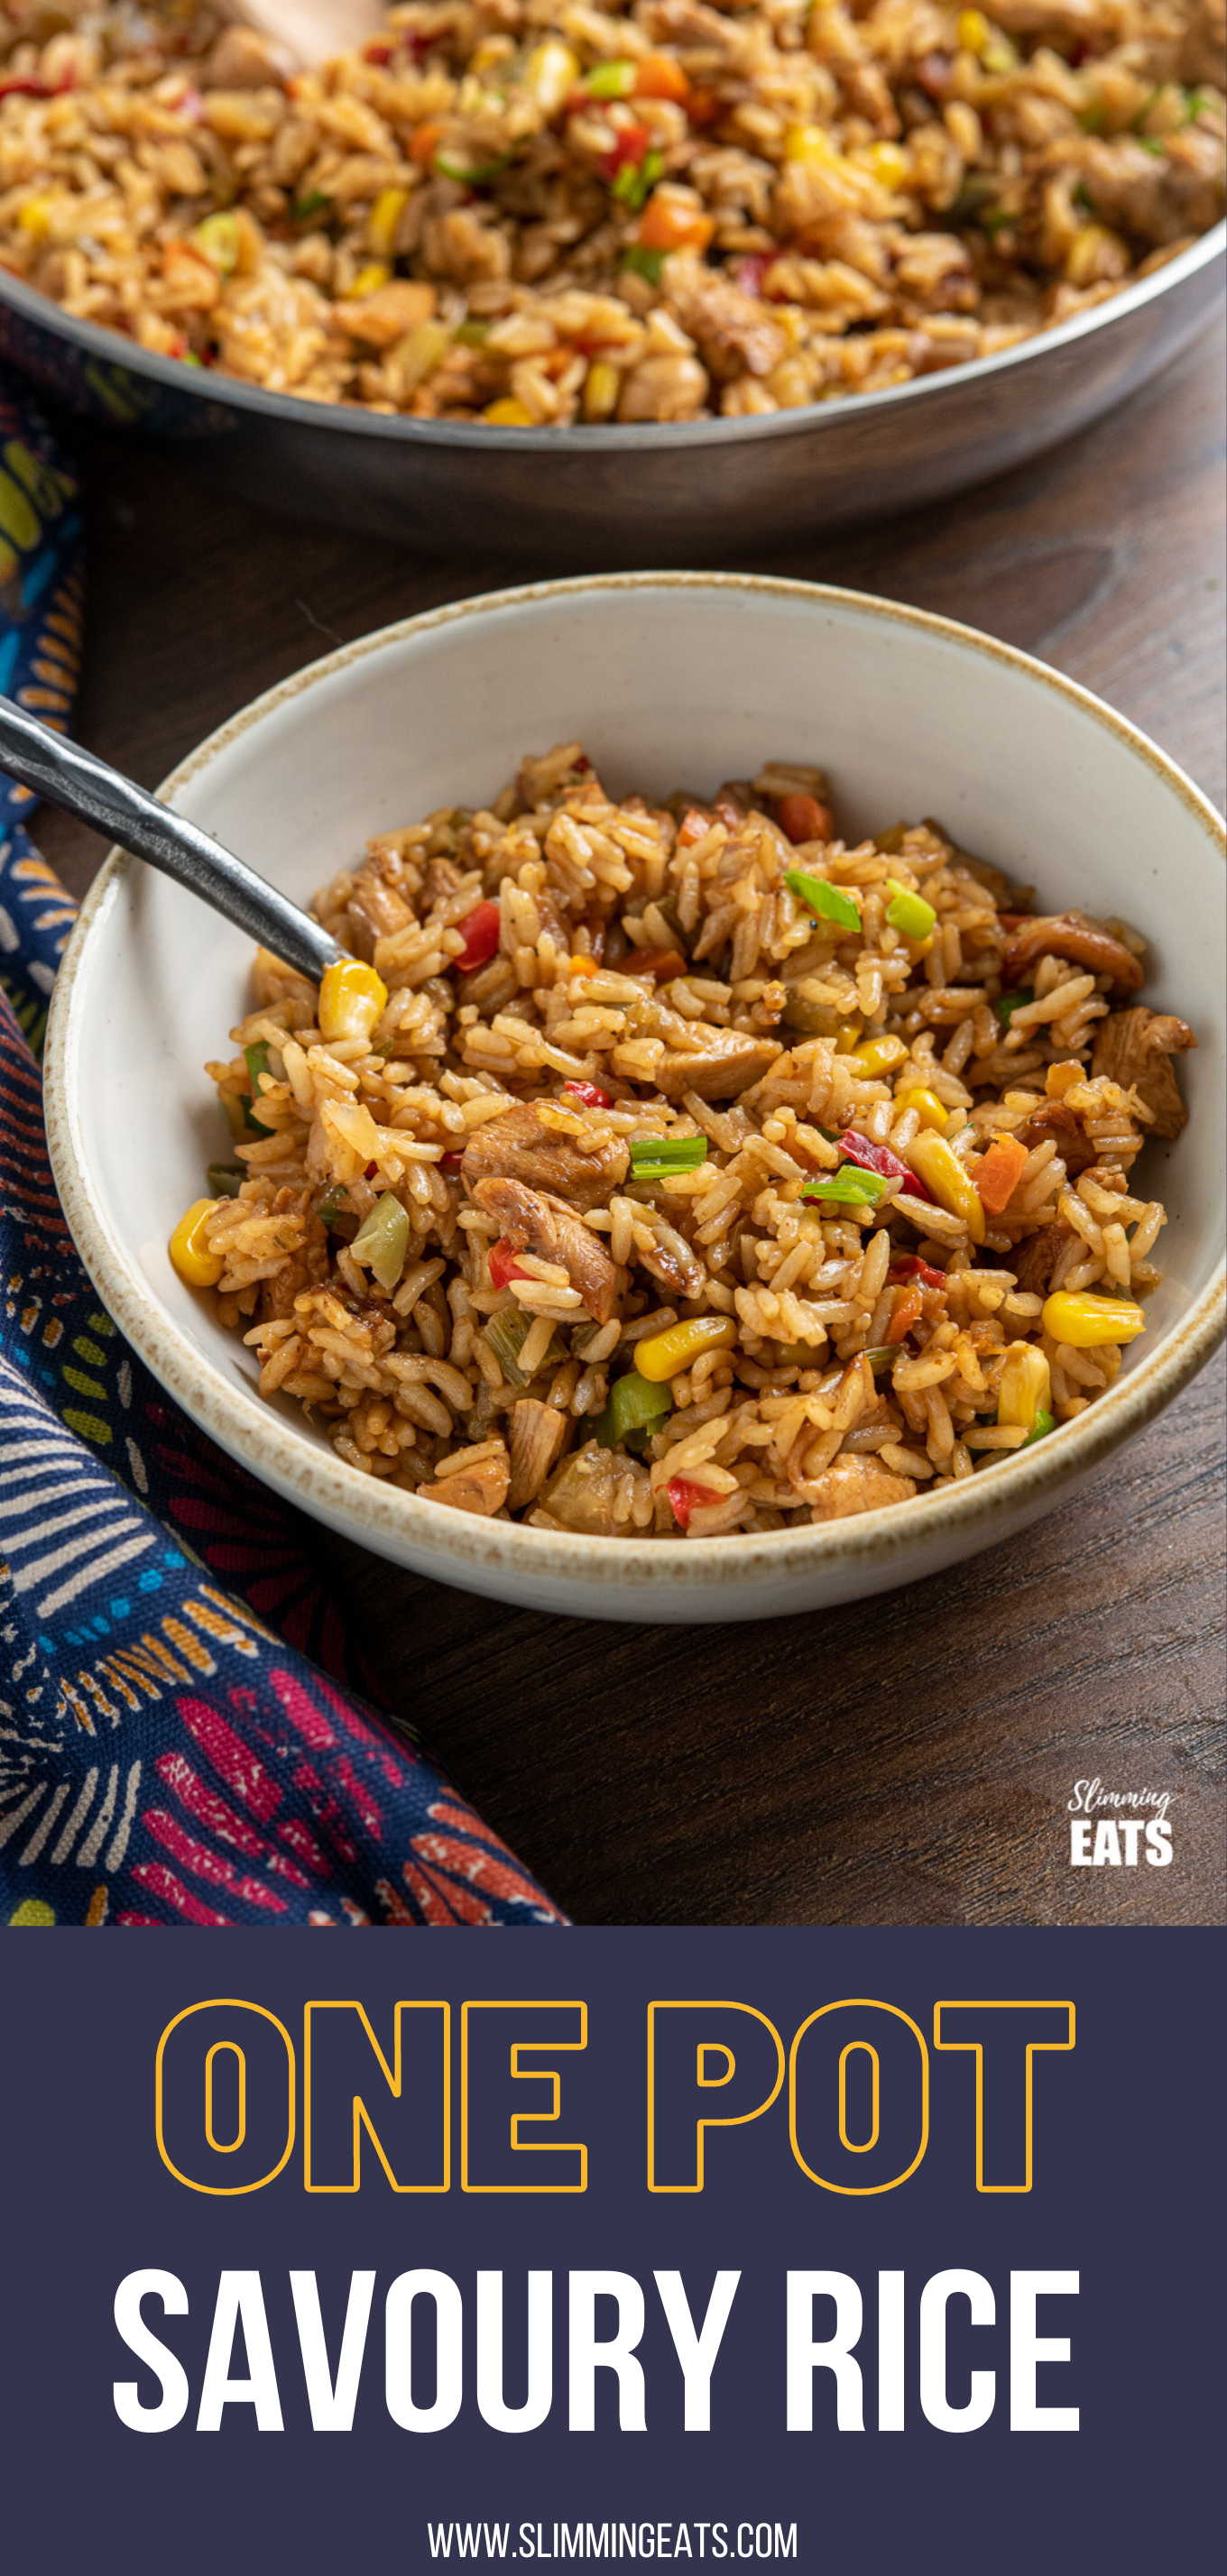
(541, 212)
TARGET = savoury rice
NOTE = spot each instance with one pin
(680, 1167)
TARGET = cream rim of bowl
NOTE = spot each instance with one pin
(657, 1578)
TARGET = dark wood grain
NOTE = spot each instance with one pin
(908, 1759)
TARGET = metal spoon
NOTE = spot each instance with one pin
(82, 785)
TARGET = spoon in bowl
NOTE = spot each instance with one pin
(83, 785)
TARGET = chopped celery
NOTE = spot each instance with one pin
(506, 1334)
(635, 1405)
(831, 901)
(611, 80)
(382, 1239)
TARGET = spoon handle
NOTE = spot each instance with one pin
(82, 785)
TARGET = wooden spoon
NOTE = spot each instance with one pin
(307, 32)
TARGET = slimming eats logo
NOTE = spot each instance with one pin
(1138, 1823)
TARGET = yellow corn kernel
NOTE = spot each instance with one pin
(877, 1055)
(888, 162)
(1026, 1386)
(973, 31)
(809, 143)
(927, 1106)
(663, 1354)
(352, 999)
(550, 75)
(376, 273)
(35, 217)
(507, 413)
(952, 1187)
(196, 1265)
(1096, 254)
(384, 217)
(1073, 1316)
(846, 1036)
(602, 386)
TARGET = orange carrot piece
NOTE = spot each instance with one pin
(997, 1177)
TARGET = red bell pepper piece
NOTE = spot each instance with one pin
(686, 1498)
(590, 1093)
(504, 1266)
(480, 928)
(879, 1158)
(910, 1266)
(451, 1162)
(632, 143)
(907, 1313)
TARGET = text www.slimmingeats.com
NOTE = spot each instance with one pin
(487, 2541)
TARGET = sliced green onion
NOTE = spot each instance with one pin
(881, 1357)
(636, 180)
(909, 912)
(849, 1188)
(1007, 1003)
(333, 1205)
(635, 1404)
(225, 1179)
(1153, 143)
(829, 900)
(474, 174)
(646, 263)
(382, 1239)
(256, 1060)
(1043, 1422)
(653, 1157)
(611, 80)
(313, 204)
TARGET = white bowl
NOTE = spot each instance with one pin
(671, 680)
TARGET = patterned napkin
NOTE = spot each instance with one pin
(187, 1732)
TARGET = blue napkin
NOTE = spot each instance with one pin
(187, 1731)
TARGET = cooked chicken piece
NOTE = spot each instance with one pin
(855, 1484)
(1066, 1131)
(728, 324)
(375, 910)
(517, 1147)
(537, 1432)
(581, 1495)
(384, 317)
(480, 1488)
(1070, 934)
(1135, 1048)
(1034, 1260)
(728, 1062)
(534, 1221)
(442, 877)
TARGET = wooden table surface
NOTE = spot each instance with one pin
(907, 1759)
